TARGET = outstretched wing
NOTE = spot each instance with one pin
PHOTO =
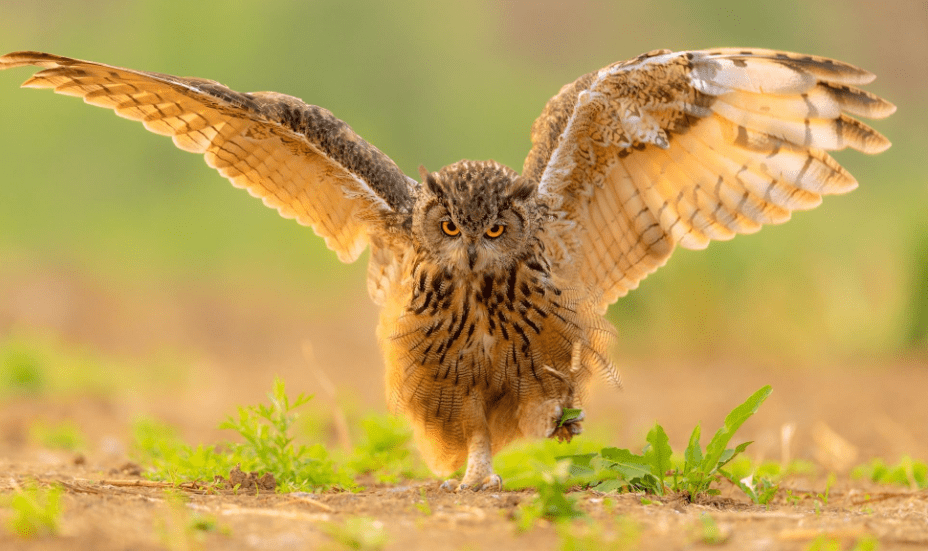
(682, 148)
(298, 158)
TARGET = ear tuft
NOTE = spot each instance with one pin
(429, 180)
(521, 190)
(423, 173)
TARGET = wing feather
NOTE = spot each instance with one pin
(689, 147)
(297, 158)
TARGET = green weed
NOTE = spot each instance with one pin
(619, 534)
(36, 512)
(268, 447)
(62, 436)
(829, 543)
(569, 414)
(359, 533)
(159, 447)
(709, 531)
(742, 467)
(823, 497)
(759, 489)
(23, 372)
(35, 365)
(866, 543)
(180, 529)
(552, 502)
(522, 465)
(423, 504)
(386, 451)
(761, 482)
(655, 472)
(907, 472)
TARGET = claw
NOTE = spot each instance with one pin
(490, 483)
(569, 429)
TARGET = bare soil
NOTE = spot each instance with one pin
(843, 415)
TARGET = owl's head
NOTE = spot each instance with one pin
(475, 216)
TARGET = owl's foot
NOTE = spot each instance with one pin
(479, 474)
(543, 420)
(569, 429)
(493, 482)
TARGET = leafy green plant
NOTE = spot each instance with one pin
(908, 472)
(36, 511)
(423, 504)
(742, 467)
(709, 531)
(23, 371)
(760, 489)
(828, 543)
(614, 534)
(701, 468)
(761, 482)
(522, 464)
(823, 497)
(361, 533)
(569, 414)
(268, 447)
(39, 365)
(61, 436)
(160, 448)
(386, 451)
(182, 529)
(655, 472)
(552, 502)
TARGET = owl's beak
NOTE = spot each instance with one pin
(472, 254)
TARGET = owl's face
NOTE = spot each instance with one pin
(475, 216)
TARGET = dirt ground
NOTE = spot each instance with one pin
(843, 415)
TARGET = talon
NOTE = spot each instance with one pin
(567, 431)
(463, 487)
(492, 482)
(450, 485)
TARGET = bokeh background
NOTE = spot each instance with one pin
(114, 243)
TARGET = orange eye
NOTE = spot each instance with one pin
(450, 228)
(496, 231)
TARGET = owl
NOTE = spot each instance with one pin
(493, 285)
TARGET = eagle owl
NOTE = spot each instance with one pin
(493, 284)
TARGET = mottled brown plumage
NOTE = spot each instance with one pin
(494, 285)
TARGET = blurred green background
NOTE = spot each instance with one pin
(102, 223)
